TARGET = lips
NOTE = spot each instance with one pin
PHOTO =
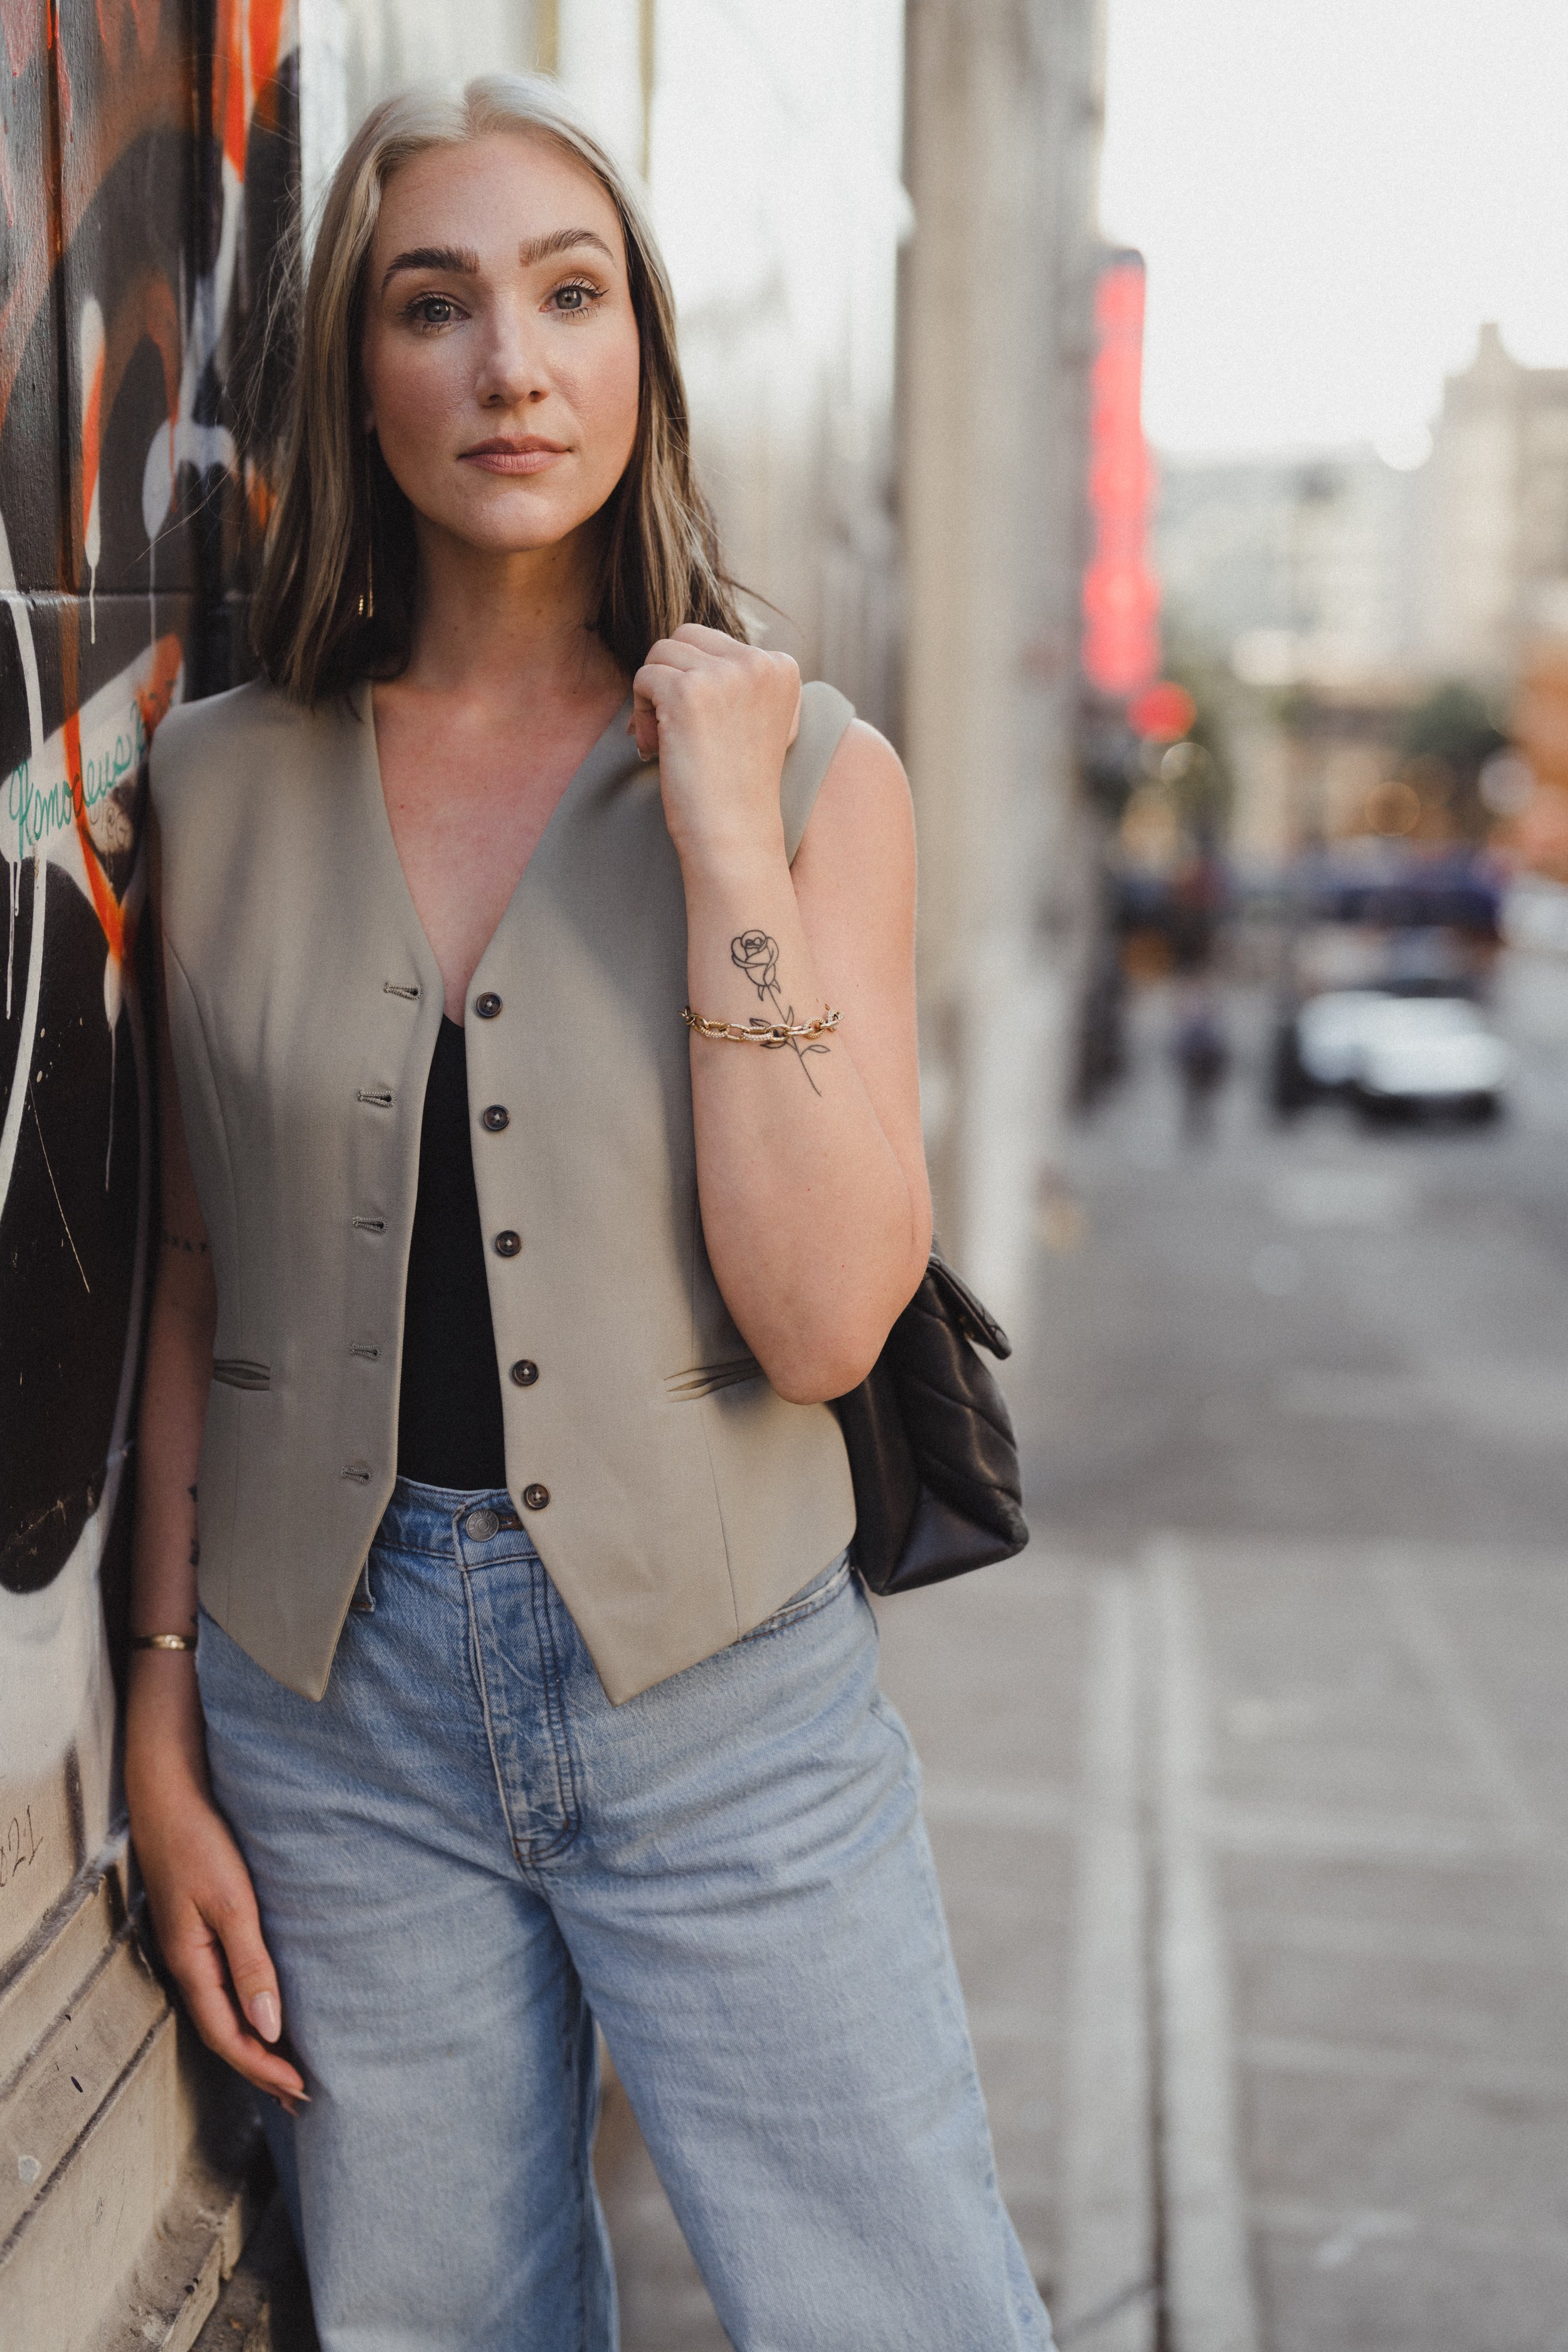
(528, 454)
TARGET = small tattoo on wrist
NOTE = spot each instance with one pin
(757, 955)
(181, 1241)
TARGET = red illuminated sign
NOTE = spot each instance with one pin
(1121, 595)
(1162, 711)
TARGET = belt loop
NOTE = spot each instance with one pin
(363, 1602)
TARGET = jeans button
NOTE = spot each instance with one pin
(481, 1525)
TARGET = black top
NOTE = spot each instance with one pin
(450, 1426)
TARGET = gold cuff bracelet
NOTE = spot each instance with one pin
(162, 1640)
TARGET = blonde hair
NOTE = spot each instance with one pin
(340, 519)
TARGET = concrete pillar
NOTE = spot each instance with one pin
(1001, 120)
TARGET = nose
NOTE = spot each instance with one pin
(512, 370)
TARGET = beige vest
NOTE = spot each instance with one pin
(686, 1500)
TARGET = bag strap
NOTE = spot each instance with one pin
(976, 1322)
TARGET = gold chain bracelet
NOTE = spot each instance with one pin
(760, 1033)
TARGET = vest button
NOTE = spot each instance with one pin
(524, 1373)
(535, 1497)
(488, 1005)
(495, 1117)
(508, 1244)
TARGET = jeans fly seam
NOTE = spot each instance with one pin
(555, 1709)
(476, 1660)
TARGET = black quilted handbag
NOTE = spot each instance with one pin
(931, 1445)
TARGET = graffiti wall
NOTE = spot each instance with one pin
(147, 166)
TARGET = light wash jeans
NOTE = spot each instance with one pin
(465, 1856)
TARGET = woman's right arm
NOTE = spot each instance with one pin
(198, 1888)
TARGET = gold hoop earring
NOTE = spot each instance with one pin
(367, 597)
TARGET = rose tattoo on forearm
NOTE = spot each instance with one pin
(757, 955)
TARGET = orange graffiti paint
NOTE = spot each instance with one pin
(251, 41)
(153, 700)
(105, 905)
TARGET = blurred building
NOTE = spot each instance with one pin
(1333, 567)
(1495, 557)
(1294, 567)
(1349, 593)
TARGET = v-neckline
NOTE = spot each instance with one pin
(364, 711)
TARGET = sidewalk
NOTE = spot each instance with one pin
(1361, 1956)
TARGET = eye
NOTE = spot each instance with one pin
(578, 295)
(431, 310)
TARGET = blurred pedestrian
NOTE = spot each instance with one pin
(1200, 1048)
(536, 1690)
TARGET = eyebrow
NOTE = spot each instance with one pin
(462, 261)
(561, 240)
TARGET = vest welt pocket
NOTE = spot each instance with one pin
(240, 1372)
(702, 1380)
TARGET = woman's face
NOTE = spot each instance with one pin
(500, 357)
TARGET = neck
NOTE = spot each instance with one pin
(504, 628)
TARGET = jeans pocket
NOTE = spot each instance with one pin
(820, 1594)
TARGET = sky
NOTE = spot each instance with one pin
(1331, 196)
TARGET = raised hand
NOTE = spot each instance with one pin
(719, 716)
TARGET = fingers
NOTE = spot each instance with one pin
(694, 647)
(210, 1931)
(205, 1980)
(251, 1969)
(675, 664)
(704, 639)
(644, 723)
(714, 699)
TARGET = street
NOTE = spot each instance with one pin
(1248, 1784)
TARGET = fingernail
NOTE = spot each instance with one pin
(266, 2016)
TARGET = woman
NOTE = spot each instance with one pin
(496, 1314)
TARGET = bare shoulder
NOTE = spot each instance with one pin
(861, 832)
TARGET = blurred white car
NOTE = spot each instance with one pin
(1330, 1030)
(1388, 1051)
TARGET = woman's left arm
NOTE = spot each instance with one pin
(811, 1173)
